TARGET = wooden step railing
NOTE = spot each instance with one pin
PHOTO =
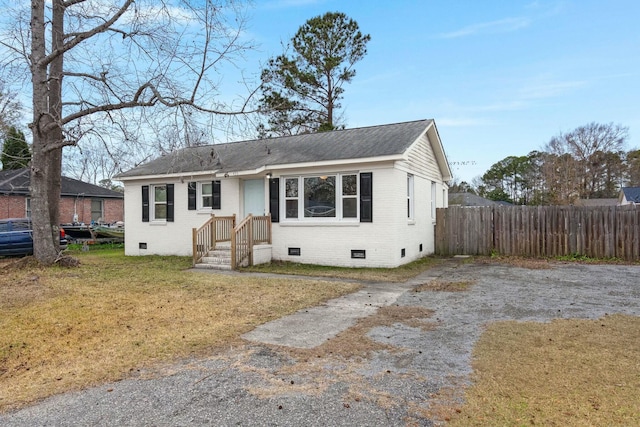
(251, 231)
(216, 229)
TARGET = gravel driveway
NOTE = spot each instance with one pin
(415, 364)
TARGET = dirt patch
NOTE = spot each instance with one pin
(522, 262)
(24, 291)
(439, 285)
(354, 342)
(27, 262)
(313, 371)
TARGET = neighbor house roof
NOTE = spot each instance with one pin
(17, 182)
(469, 199)
(386, 141)
(632, 194)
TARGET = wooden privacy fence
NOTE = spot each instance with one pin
(539, 231)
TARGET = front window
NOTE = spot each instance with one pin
(160, 202)
(28, 208)
(207, 195)
(320, 197)
(323, 196)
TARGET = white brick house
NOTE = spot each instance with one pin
(355, 197)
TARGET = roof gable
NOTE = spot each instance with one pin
(389, 141)
(17, 181)
(632, 194)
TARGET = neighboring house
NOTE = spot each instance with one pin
(629, 195)
(354, 197)
(79, 200)
(469, 199)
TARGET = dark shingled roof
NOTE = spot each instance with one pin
(469, 199)
(346, 144)
(17, 182)
(632, 194)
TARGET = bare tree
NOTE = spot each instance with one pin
(596, 151)
(110, 63)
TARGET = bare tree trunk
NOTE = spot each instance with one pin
(101, 81)
(45, 162)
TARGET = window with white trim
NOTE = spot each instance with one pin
(291, 197)
(159, 202)
(322, 197)
(410, 202)
(319, 196)
(206, 194)
(203, 195)
(349, 196)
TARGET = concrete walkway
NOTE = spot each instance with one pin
(309, 328)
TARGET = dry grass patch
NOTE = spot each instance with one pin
(565, 373)
(65, 329)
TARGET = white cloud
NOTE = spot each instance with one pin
(506, 25)
(550, 89)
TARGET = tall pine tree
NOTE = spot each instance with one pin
(301, 92)
(15, 151)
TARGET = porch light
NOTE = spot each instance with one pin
(269, 175)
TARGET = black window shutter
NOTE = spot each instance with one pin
(366, 197)
(145, 203)
(170, 202)
(191, 195)
(274, 199)
(217, 199)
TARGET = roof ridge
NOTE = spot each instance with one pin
(302, 134)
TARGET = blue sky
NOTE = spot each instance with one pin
(499, 77)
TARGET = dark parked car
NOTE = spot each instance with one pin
(16, 237)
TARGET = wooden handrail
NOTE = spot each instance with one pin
(251, 230)
(243, 237)
(215, 229)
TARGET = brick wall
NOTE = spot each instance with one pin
(113, 209)
(12, 207)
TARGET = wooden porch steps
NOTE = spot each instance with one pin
(217, 259)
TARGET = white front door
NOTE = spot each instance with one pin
(254, 197)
